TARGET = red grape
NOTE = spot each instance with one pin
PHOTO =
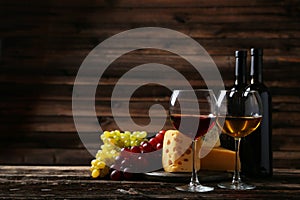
(125, 149)
(135, 149)
(159, 137)
(162, 131)
(159, 146)
(116, 175)
(126, 174)
(147, 147)
(141, 146)
(153, 142)
(143, 142)
(125, 153)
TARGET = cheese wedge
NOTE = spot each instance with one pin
(177, 152)
(219, 159)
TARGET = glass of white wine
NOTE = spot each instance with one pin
(239, 113)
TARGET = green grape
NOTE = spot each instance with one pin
(110, 146)
(100, 165)
(94, 162)
(113, 141)
(132, 143)
(95, 173)
(123, 137)
(127, 143)
(107, 147)
(103, 146)
(117, 133)
(132, 137)
(127, 133)
(116, 137)
(92, 168)
(113, 153)
(142, 135)
(135, 133)
(99, 154)
(106, 134)
(102, 137)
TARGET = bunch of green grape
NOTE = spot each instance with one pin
(113, 142)
(125, 139)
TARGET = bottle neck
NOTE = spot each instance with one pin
(240, 71)
(256, 72)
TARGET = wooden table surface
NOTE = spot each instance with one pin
(74, 182)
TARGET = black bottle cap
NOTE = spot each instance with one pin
(240, 53)
(255, 51)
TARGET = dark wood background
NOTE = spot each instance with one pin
(43, 43)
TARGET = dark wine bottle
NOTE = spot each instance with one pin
(256, 148)
(240, 83)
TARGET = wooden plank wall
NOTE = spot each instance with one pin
(43, 43)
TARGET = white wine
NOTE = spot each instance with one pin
(238, 127)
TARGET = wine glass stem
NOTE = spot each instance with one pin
(194, 179)
(236, 177)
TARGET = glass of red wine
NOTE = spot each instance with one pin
(192, 113)
(239, 113)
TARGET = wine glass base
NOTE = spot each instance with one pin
(237, 186)
(194, 188)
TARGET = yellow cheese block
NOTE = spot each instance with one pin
(219, 159)
(177, 152)
(177, 155)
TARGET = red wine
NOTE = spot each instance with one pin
(256, 149)
(205, 124)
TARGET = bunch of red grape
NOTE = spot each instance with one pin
(123, 152)
(130, 160)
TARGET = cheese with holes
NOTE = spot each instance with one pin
(219, 159)
(177, 155)
(177, 152)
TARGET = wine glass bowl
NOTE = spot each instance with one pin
(239, 113)
(192, 112)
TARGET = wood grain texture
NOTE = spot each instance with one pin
(43, 44)
(74, 182)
